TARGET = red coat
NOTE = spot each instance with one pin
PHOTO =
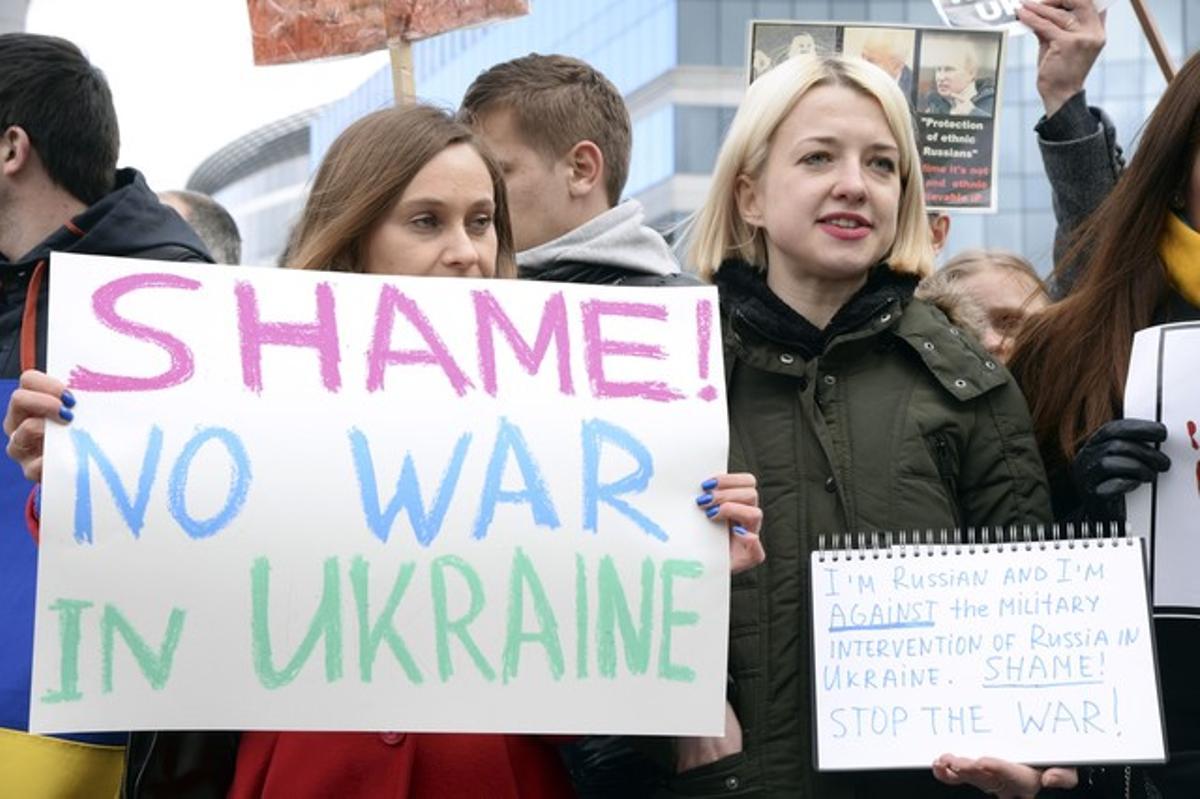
(357, 765)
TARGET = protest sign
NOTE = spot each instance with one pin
(1038, 653)
(1164, 385)
(284, 31)
(313, 500)
(953, 83)
(1000, 14)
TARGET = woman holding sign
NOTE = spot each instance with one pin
(860, 408)
(1139, 265)
(405, 191)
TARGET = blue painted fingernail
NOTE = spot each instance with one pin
(739, 530)
(709, 484)
(711, 512)
(65, 414)
(68, 399)
(704, 499)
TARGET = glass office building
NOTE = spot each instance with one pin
(12, 15)
(681, 66)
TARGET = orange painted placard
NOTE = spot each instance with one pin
(285, 31)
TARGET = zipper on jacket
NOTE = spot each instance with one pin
(947, 468)
(142, 766)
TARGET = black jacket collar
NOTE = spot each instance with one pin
(745, 295)
(129, 220)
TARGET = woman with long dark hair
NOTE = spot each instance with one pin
(1139, 259)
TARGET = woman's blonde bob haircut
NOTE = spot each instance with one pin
(718, 231)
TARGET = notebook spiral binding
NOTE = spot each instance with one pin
(969, 540)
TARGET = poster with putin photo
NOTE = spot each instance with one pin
(952, 80)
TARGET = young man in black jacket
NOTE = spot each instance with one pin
(60, 189)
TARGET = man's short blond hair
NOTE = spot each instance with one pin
(556, 102)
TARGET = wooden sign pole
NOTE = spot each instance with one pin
(1161, 55)
(403, 82)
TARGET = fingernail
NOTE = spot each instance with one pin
(739, 530)
(68, 399)
(65, 414)
(709, 484)
(711, 512)
(704, 499)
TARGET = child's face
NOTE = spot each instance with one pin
(537, 185)
(1007, 299)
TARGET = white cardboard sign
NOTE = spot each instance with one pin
(297, 500)
(989, 13)
(1164, 385)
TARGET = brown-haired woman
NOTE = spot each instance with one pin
(1140, 257)
(356, 208)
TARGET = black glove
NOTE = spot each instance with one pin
(1118, 458)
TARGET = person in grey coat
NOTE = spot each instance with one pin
(1078, 142)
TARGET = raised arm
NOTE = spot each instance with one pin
(1078, 143)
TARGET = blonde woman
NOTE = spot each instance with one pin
(858, 407)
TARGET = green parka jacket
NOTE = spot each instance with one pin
(894, 420)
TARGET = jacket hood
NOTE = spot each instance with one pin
(129, 220)
(617, 238)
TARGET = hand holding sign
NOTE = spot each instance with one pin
(1120, 456)
(734, 498)
(1070, 36)
(1002, 778)
(693, 753)
(39, 397)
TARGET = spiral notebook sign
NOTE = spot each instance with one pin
(1036, 651)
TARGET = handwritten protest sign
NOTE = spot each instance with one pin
(301, 500)
(1001, 14)
(1164, 385)
(953, 82)
(1038, 654)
